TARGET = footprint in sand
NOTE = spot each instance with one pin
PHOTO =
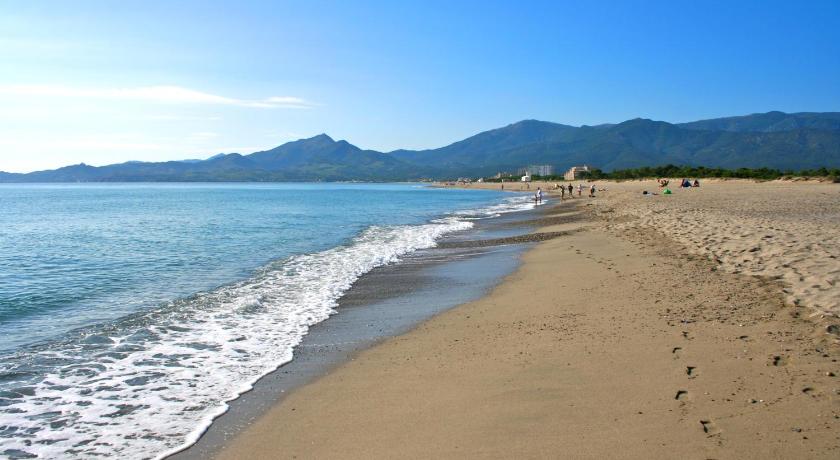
(682, 395)
(709, 427)
(691, 371)
(810, 391)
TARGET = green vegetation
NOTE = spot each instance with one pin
(702, 172)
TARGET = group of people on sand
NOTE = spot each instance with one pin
(685, 183)
(538, 195)
(571, 189)
(663, 184)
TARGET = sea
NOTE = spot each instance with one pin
(131, 315)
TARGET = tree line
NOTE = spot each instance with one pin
(700, 172)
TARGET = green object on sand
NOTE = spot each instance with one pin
(667, 191)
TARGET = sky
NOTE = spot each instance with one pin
(106, 82)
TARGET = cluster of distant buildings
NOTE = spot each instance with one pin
(525, 174)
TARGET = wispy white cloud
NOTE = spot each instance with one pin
(153, 94)
(10, 45)
(83, 143)
(204, 135)
(172, 117)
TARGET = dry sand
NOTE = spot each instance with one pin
(784, 230)
(788, 231)
(626, 335)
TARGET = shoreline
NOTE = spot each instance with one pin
(394, 299)
(640, 344)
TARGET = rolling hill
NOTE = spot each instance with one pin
(769, 122)
(319, 158)
(775, 140)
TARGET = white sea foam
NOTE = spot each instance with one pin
(510, 204)
(151, 385)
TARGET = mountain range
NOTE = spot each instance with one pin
(785, 141)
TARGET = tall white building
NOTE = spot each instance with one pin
(538, 170)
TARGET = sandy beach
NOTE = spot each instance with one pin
(697, 325)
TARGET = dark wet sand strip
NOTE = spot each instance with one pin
(553, 218)
(527, 238)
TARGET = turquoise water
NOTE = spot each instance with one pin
(131, 313)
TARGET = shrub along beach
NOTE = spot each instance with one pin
(832, 174)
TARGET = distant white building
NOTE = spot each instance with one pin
(576, 172)
(541, 170)
(538, 170)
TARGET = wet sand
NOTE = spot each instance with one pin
(616, 338)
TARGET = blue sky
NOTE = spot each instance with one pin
(106, 82)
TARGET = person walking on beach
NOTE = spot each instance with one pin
(570, 191)
(539, 195)
(592, 191)
(562, 192)
(580, 189)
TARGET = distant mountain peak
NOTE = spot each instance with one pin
(531, 122)
(321, 138)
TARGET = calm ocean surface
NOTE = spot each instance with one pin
(131, 313)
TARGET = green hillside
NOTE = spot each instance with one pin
(771, 140)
